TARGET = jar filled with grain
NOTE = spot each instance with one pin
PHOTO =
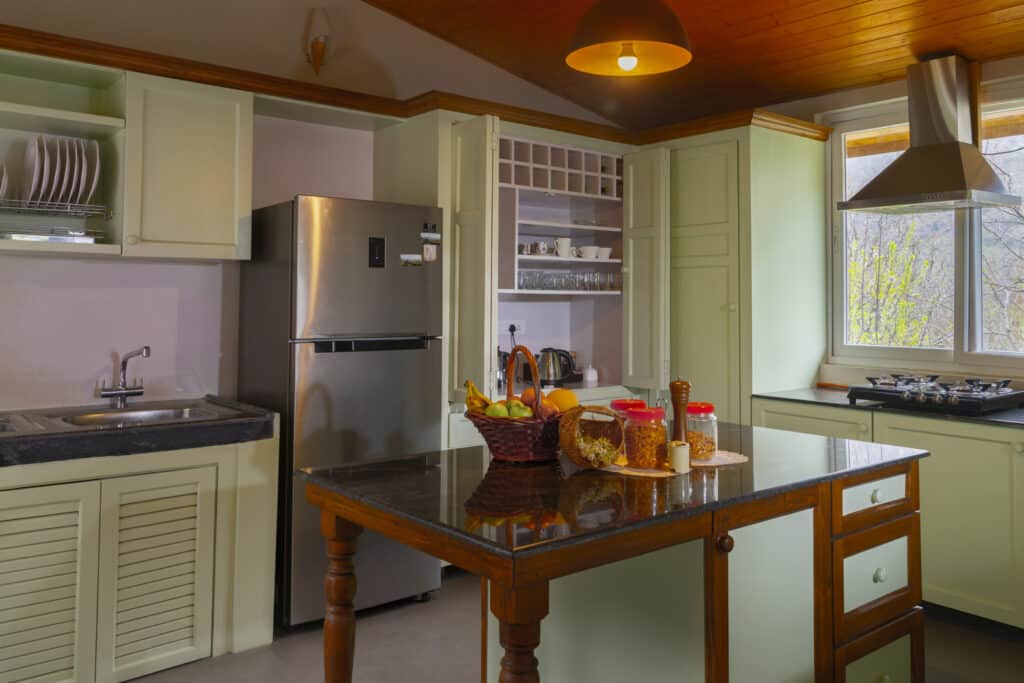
(621, 406)
(646, 438)
(701, 430)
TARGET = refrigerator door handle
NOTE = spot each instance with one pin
(355, 345)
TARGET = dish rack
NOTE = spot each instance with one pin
(55, 209)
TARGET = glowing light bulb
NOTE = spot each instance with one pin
(627, 58)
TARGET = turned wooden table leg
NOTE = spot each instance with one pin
(519, 612)
(340, 588)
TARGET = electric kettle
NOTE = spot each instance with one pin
(556, 367)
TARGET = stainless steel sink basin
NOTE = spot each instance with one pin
(129, 417)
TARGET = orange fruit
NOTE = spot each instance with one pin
(548, 408)
(528, 396)
(564, 399)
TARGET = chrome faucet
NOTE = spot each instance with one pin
(122, 391)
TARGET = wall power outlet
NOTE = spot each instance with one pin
(520, 327)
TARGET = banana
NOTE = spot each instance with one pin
(476, 401)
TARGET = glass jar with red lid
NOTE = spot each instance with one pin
(621, 406)
(701, 430)
(646, 438)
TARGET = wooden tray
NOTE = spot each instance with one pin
(721, 459)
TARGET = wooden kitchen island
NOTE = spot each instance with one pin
(801, 565)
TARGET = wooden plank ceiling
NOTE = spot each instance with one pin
(747, 53)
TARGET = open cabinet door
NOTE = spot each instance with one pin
(645, 270)
(474, 310)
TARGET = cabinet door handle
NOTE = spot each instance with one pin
(1019, 447)
(876, 497)
(725, 543)
(132, 239)
(880, 575)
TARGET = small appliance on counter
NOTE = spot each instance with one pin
(557, 367)
(927, 393)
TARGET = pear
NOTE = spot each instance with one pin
(497, 410)
(519, 409)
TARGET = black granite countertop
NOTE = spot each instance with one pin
(837, 397)
(37, 436)
(517, 510)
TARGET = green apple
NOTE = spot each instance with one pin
(519, 409)
(497, 410)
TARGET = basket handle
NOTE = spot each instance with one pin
(510, 367)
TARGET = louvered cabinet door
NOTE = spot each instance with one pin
(156, 572)
(48, 561)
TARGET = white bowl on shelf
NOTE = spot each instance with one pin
(588, 252)
(604, 252)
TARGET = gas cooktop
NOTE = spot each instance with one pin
(927, 393)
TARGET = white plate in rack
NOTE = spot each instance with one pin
(30, 170)
(45, 171)
(54, 152)
(61, 195)
(76, 162)
(83, 172)
(93, 149)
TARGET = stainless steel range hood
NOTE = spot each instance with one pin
(943, 169)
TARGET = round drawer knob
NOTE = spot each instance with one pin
(884, 678)
(132, 239)
(1019, 448)
(725, 543)
(863, 429)
(880, 575)
(876, 497)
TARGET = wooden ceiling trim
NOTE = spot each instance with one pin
(100, 54)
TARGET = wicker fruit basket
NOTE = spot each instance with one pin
(576, 434)
(524, 439)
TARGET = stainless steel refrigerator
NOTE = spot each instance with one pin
(340, 324)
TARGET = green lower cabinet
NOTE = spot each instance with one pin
(888, 664)
(972, 512)
(843, 423)
(637, 620)
(771, 600)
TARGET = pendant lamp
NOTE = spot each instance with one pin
(629, 38)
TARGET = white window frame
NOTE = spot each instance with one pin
(964, 356)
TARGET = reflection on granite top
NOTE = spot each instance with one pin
(514, 509)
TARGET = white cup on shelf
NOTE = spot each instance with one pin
(604, 252)
(563, 247)
(588, 252)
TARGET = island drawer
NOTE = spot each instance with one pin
(893, 653)
(865, 500)
(877, 576)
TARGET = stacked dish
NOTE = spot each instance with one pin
(60, 170)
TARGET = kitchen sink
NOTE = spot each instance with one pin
(130, 417)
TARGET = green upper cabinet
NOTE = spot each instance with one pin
(188, 170)
(645, 242)
(748, 278)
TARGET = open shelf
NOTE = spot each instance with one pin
(553, 228)
(558, 169)
(26, 117)
(569, 260)
(60, 248)
(559, 292)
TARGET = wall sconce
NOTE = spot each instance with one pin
(319, 44)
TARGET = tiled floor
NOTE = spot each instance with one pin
(439, 642)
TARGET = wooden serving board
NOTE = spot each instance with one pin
(721, 459)
(637, 472)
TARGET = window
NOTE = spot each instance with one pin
(900, 286)
(1002, 240)
(942, 290)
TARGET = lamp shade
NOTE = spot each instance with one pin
(645, 34)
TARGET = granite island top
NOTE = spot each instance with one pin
(36, 436)
(516, 510)
(837, 397)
